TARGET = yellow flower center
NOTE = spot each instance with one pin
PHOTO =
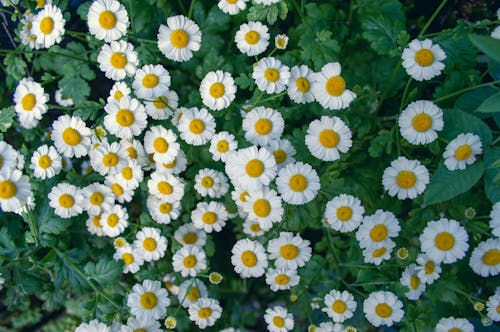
(303, 84)
(170, 165)
(148, 300)
(379, 252)
(150, 81)
(243, 196)
(463, 152)
(272, 75)
(194, 294)
(339, 306)
(252, 37)
(279, 156)
(222, 146)
(97, 221)
(209, 218)
(261, 208)
(204, 313)
(28, 101)
(40, 3)
(207, 182)
(444, 241)
(117, 189)
(165, 208)
(120, 242)
(263, 126)
(421, 122)
(127, 258)
(278, 321)
(344, 213)
(196, 126)
(217, 90)
(179, 38)
(165, 188)
(414, 282)
(254, 168)
(378, 233)
(429, 267)
(44, 162)
(232, 2)
(71, 136)
(189, 261)
(47, 25)
(455, 329)
(107, 20)
(298, 182)
(118, 95)
(424, 57)
(132, 153)
(282, 279)
(289, 251)
(190, 238)
(383, 310)
(118, 60)
(248, 258)
(8, 189)
(96, 198)
(491, 257)
(328, 138)
(125, 117)
(127, 173)
(110, 159)
(281, 42)
(160, 145)
(255, 228)
(112, 220)
(406, 179)
(335, 86)
(66, 201)
(161, 102)
(149, 244)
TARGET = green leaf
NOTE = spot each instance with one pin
(381, 144)
(491, 159)
(382, 33)
(457, 122)
(445, 184)
(257, 13)
(460, 54)
(244, 81)
(490, 105)
(6, 118)
(321, 50)
(15, 65)
(104, 272)
(471, 100)
(490, 46)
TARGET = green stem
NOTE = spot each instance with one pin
(386, 90)
(405, 92)
(182, 7)
(191, 8)
(131, 4)
(496, 141)
(456, 93)
(303, 18)
(434, 15)
(33, 228)
(70, 108)
(331, 246)
(272, 52)
(270, 98)
(6, 51)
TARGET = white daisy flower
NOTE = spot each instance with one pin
(264, 206)
(249, 258)
(31, 102)
(493, 307)
(120, 242)
(266, 2)
(94, 226)
(163, 107)
(118, 90)
(211, 183)
(131, 175)
(161, 211)
(176, 167)
(151, 81)
(188, 234)
(298, 183)
(262, 125)
(66, 199)
(148, 301)
(189, 260)
(118, 60)
(205, 312)
(462, 151)
(65, 101)
(283, 152)
(299, 85)
(405, 178)
(344, 213)
(377, 229)
(27, 37)
(45, 162)
(190, 291)
(376, 254)
(92, 326)
(251, 168)
(422, 59)
(126, 118)
(48, 26)
(329, 88)
(109, 158)
(383, 308)
(108, 20)
(331, 327)
(485, 258)
(15, 190)
(221, 145)
(146, 325)
(252, 38)
(166, 187)
(252, 228)
(179, 38)
(278, 319)
(290, 251)
(197, 127)
(131, 258)
(114, 220)
(232, 7)
(281, 41)
(327, 137)
(420, 121)
(454, 324)
(282, 279)
(494, 215)
(96, 197)
(150, 243)
(444, 241)
(8, 156)
(410, 279)
(340, 306)
(162, 143)
(217, 90)
(427, 270)
(270, 75)
(71, 137)
(210, 217)
(121, 192)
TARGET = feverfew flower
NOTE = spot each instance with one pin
(454, 324)
(344, 213)
(148, 301)
(252, 38)
(328, 137)
(270, 75)
(189, 260)
(15, 191)
(278, 319)
(281, 41)
(298, 183)
(125, 118)
(422, 59)
(485, 258)
(66, 199)
(300, 83)
(405, 178)
(282, 278)
(249, 258)
(151, 81)
(262, 125)
(232, 7)
(329, 88)
(340, 306)
(92, 326)
(151, 244)
(289, 251)
(420, 122)
(179, 38)
(48, 26)
(462, 151)
(108, 20)
(221, 145)
(444, 241)
(205, 312)
(427, 270)
(383, 308)
(493, 307)
(494, 221)
(118, 60)
(410, 279)
(31, 102)
(71, 136)
(45, 162)
(197, 126)
(217, 90)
